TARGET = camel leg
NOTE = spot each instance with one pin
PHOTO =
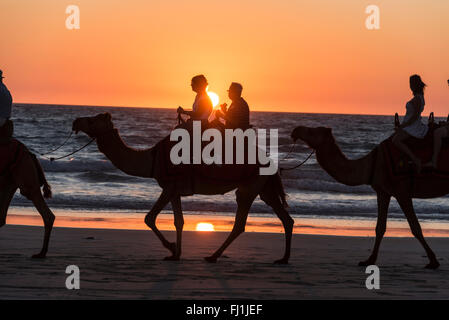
(179, 224)
(5, 199)
(407, 207)
(271, 199)
(244, 202)
(47, 216)
(383, 202)
(150, 219)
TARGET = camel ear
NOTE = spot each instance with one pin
(108, 116)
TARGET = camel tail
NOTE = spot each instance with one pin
(42, 180)
(279, 187)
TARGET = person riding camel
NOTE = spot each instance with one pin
(438, 135)
(202, 106)
(412, 125)
(6, 126)
(237, 116)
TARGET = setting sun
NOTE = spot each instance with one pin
(205, 227)
(214, 98)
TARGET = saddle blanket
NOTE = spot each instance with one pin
(11, 152)
(400, 165)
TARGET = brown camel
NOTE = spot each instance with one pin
(27, 176)
(371, 170)
(143, 163)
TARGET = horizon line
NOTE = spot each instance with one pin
(174, 108)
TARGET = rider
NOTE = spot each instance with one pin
(237, 116)
(438, 135)
(202, 106)
(412, 125)
(5, 109)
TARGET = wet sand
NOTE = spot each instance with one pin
(127, 264)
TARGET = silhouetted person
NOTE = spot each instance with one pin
(202, 106)
(412, 125)
(5, 101)
(6, 126)
(237, 116)
(438, 135)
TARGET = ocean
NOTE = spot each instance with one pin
(87, 181)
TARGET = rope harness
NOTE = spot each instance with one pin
(44, 155)
(298, 165)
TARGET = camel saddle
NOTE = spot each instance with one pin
(401, 166)
(11, 151)
(184, 174)
(6, 131)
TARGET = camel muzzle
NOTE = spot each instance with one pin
(297, 133)
(75, 126)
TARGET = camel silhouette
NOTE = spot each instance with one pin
(28, 176)
(144, 163)
(372, 170)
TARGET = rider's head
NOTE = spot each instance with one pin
(199, 83)
(416, 84)
(235, 91)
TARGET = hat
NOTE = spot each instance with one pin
(1, 74)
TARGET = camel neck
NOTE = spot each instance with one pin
(346, 171)
(129, 160)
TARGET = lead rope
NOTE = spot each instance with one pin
(51, 151)
(68, 155)
(63, 144)
(299, 165)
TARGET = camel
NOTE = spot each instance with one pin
(143, 163)
(28, 176)
(371, 170)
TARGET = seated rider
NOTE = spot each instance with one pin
(237, 116)
(6, 126)
(202, 106)
(438, 135)
(412, 125)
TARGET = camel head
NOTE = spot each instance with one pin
(93, 126)
(313, 137)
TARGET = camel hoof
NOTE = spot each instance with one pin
(366, 263)
(211, 259)
(38, 256)
(172, 258)
(433, 265)
(281, 261)
(172, 247)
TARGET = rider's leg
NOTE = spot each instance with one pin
(438, 136)
(398, 141)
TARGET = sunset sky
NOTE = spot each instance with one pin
(290, 55)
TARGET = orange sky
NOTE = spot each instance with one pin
(298, 56)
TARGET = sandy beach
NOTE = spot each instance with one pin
(127, 264)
